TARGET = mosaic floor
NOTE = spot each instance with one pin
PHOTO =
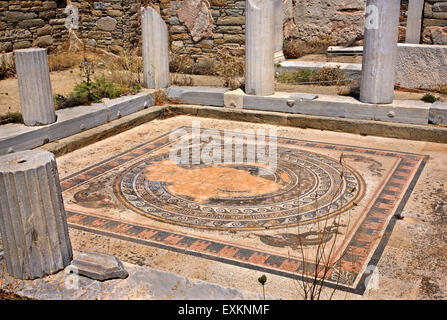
(230, 213)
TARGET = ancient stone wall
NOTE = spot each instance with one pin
(435, 22)
(196, 27)
(31, 23)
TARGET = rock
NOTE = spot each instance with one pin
(6, 46)
(196, 15)
(44, 41)
(231, 21)
(177, 45)
(98, 266)
(440, 7)
(106, 24)
(22, 44)
(46, 30)
(49, 5)
(31, 23)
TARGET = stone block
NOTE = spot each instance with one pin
(438, 113)
(207, 96)
(421, 66)
(234, 99)
(98, 266)
(106, 24)
(43, 41)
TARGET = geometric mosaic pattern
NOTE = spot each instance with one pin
(376, 185)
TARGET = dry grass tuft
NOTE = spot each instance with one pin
(294, 49)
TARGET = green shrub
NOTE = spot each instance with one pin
(296, 76)
(429, 98)
(88, 92)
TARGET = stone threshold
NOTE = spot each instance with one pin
(70, 121)
(142, 283)
(400, 111)
(352, 70)
(80, 126)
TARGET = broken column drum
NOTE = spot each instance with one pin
(155, 49)
(33, 222)
(259, 47)
(380, 51)
(36, 95)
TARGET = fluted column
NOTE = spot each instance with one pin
(155, 49)
(33, 223)
(279, 31)
(259, 47)
(380, 51)
(414, 21)
(36, 95)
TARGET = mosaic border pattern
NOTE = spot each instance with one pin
(355, 256)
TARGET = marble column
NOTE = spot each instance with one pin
(279, 31)
(33, 223)
(380, 51)
(259, 47)
(414, 21)
(36, 94)
(155, 49)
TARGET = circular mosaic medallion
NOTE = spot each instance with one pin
(304, 188)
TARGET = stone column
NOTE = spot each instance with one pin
(36, 95)
(155, 49)
(414, 21)
(33, 223)
(259, 47)
(380, 51)
(279, 31)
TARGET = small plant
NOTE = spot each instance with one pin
(62, 60)
(442, 89)
(181, 63)
(231, 69)
(262, 280)
(182, 80)
(429, 98)
(351, 90)
(328, 76)
(11, 117)
(296, 77)
(7, 70)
